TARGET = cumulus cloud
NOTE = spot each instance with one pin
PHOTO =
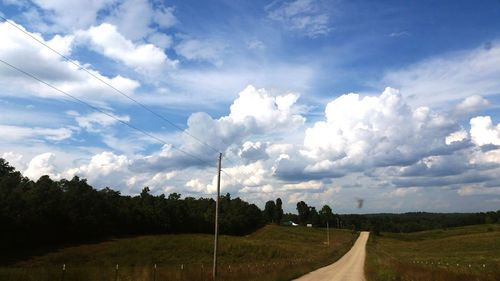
(28, 55)
(41, 165)
(67, 15)
(253, 151)
(195, 185)
(137, 19)
(457, 136)
(306, 17)
(483, 131)
(144, 58)
(437, 166)
(251, 176)
(472, 104)
(374, 131)
(161, 40)
(14, 159)
(255, 112)
(103, 169)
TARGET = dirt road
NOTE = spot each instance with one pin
(349, 268)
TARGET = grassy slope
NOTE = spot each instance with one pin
(434, 255)
(271, 253)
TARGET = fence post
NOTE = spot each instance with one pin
(154, 272)
(116, 272)
(63, 271)
(202, 275)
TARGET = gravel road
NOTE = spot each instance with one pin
(349, 268)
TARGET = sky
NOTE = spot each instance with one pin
(325, 101)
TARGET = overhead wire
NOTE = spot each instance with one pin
(66, 58)
(102, 111)
(69, 60)
(76, 99)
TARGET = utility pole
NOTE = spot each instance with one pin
(217, 219)
(327, 233)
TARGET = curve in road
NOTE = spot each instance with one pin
(349, 268)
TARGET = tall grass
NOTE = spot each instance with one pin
(464, 253)
(271, 253)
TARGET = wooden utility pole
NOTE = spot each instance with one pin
(217, 219)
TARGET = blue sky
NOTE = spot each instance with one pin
(395, 102)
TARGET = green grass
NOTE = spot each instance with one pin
(436, 255)
(271, 253)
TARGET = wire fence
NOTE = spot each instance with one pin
(154, 272)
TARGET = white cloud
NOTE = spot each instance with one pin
(472, 104)
(161, 40)
(324, 196)
(14, 159)
(196, 185)
(309, 185)
(28, 55)
(456, 136)
(257, 106)
(144, 58)
(478, 190)
(306, 17)
(483, 131)
(17, 133)
(253, 151)
(94, 122)
(133, 18)
(70, 15)
(256, 45)
(377, 130)
(40, 165)
(404, 191)
(488, 157)
(236, 178)
(138, 19)
(201, 50)
(103, 169)
(164, 17)
(451, 77)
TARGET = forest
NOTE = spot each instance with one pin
(47, 212)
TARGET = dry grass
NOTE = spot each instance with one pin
(464, 253)
(272, 253)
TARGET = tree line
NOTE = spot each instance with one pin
(406, 222)
(416, 221)
(45, 212)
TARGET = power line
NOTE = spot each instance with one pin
(117, 119)
(109, 85)
(102, 111)
(66, 58)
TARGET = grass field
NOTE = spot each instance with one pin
(463, 253)
(271, 253)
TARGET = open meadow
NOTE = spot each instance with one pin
(271, 253)
(462, 253)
